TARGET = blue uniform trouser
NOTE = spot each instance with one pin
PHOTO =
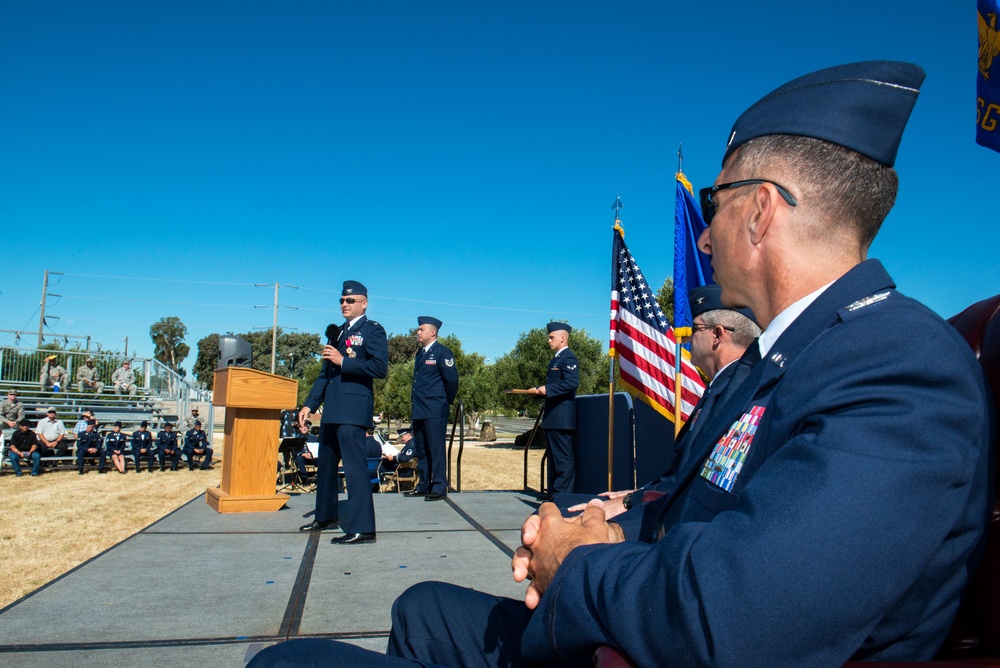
(174, 458)
(562, 469)
(423, 469)
(344, 442)
(36, 462)
(81, 454)
(433, 624)
(138, 457)
(432, 432)
(189, 454)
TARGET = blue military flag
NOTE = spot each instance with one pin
(988, 79)
(692, 268)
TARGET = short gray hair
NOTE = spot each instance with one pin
(744, 330)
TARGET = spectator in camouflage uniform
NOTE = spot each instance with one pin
(191, 419)
(124, 379)
(53, 374)
(86, 377)
(11, 410)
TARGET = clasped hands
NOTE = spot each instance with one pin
(546, 539)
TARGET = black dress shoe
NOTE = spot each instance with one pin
(354, 539)
(434, 496)
(414, 492)
(545, 496)
(319, 526)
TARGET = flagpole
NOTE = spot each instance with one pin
(679, 340)
(617, 206)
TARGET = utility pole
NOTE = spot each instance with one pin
(274, 329)
(126, 346)
(41, 308)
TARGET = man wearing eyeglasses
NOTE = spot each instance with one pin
(344, 388)
(720, 337)
(839, 510)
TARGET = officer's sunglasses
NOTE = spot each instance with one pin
(709, 206)
(348, 300)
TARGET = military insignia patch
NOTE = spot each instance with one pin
(450, 362)
(868, 301)
(571, 367)
(723, 466)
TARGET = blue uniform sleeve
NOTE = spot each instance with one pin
(868, 499)
(449, 376)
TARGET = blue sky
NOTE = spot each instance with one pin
(459, 158)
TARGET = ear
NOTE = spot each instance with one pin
(765, 207)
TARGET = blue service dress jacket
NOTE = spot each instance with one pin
(435, 382)
(833, 515)
(346, 391)
(561, 381)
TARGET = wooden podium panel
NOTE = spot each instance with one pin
(253, 401)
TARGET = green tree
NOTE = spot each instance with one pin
(402, 347)
(207, 360)
(310, 372)
(295, 352)
(168, 342)
(526, 365)
(392, 396)
(665, 298)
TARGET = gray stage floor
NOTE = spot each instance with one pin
(199, 588)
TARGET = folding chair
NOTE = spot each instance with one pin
(406, 472)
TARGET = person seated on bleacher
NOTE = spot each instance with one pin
(81, 424)
(309, 453)
(115, 445)
(191, 419)
(53, 375)
(142, 446)
(24, 445)
(392, 456)
(195, 445)
(90, 445)
(124, 380)
(11, 410)
(52, 435)
(166, 446)
(86, 377)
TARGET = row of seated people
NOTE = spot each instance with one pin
(54, 377)
(376, 446)
(49, 439)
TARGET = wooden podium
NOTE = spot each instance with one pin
(253, 401)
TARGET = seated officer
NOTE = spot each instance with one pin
(24, 445)
(196, 445)
(88, 446)
(142, 447)
(166, 446)
(115, 445)
(392, 456)
(829, 519)
(309, 454)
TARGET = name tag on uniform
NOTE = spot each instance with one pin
(723, 466)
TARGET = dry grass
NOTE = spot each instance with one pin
(57, 521)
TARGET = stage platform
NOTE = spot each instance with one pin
(200, 588)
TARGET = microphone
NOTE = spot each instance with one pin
(332, 334)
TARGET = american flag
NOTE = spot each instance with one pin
(643, 342)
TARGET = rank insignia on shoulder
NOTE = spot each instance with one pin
(449, 362)
(571, 367)
(868, 301)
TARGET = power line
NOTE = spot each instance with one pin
(164, 280)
